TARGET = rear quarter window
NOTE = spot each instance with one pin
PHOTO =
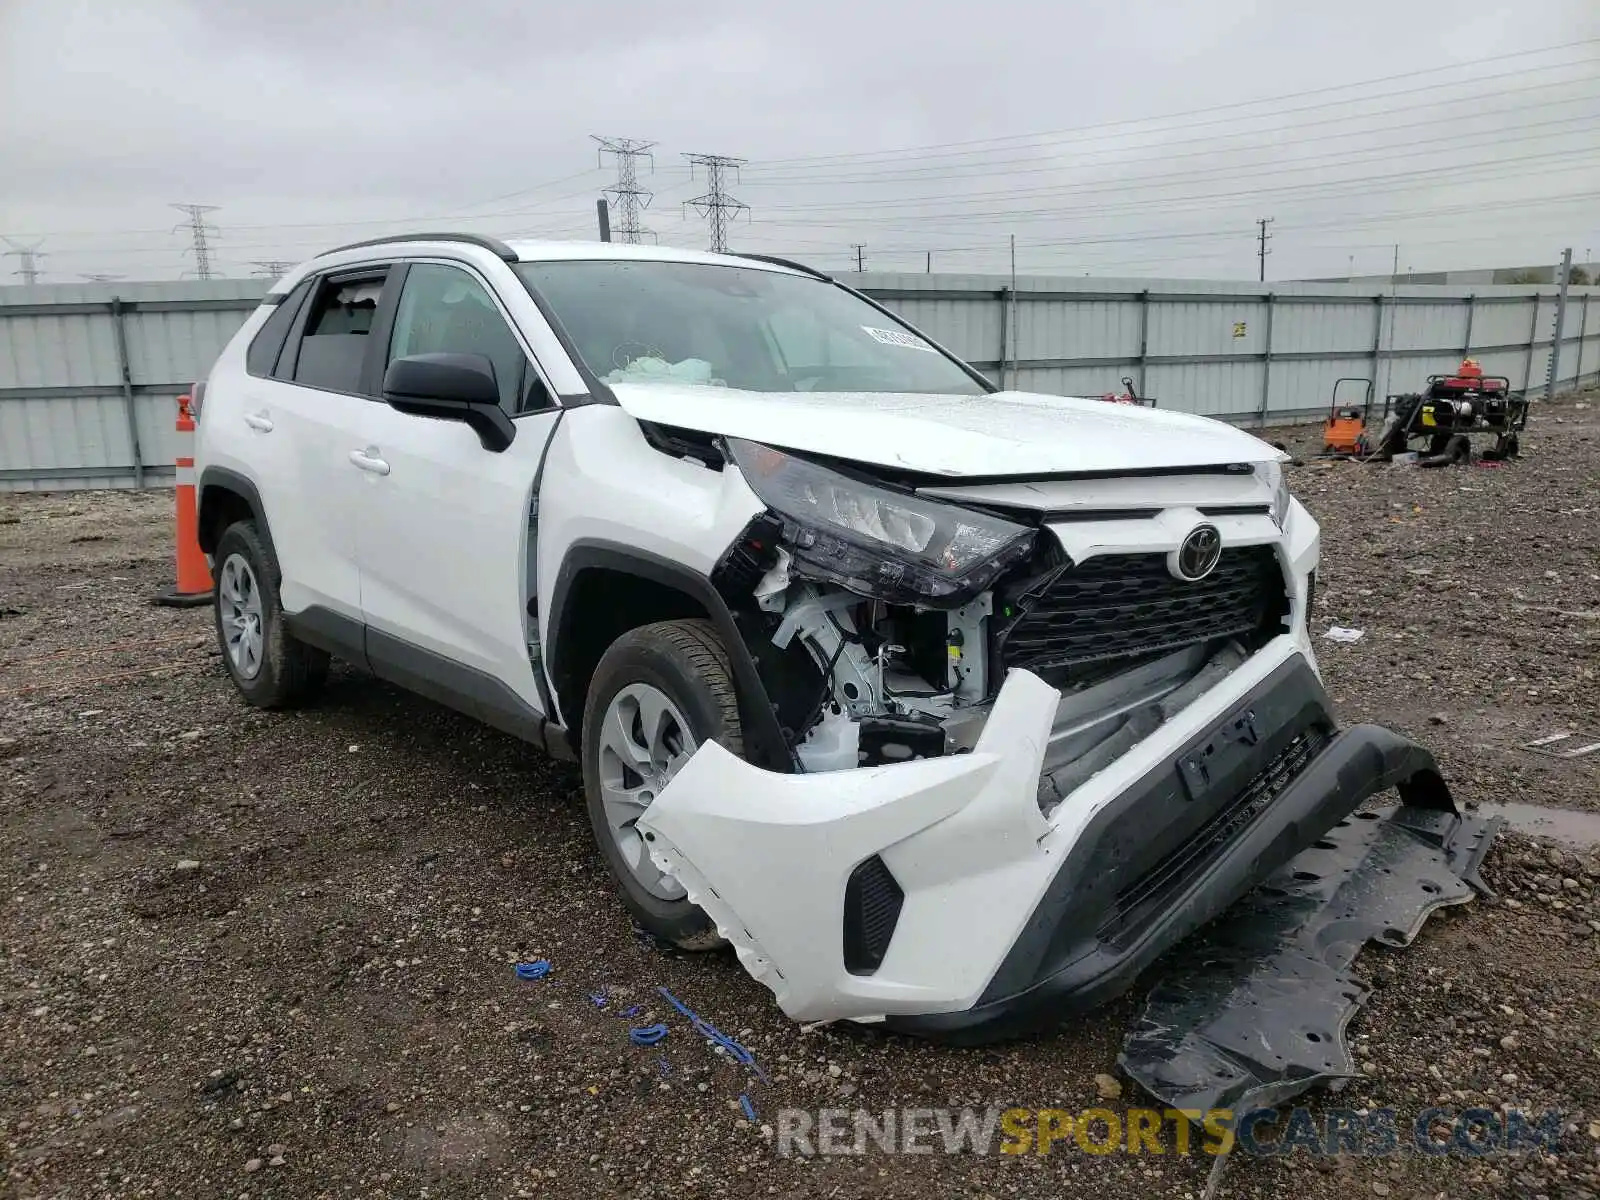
(335, 341)
(267, 346)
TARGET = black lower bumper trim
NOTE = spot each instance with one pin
(1062, 963)
(1254, 1010)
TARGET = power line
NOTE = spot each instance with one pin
(371, 221)
(631, 198)
(921, 231)
(942, 172)
(527, 191)
(1427, 179)
(1455, 68)
(1261, 252)
(1374, 156)
(200, 231)
(714, 203)
(27, 256)
(1207, 146)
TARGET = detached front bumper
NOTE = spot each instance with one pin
(937, 896)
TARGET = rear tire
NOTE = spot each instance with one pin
(669, 686)
(268, 664)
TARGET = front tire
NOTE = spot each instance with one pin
(659, 692)
(268, 664)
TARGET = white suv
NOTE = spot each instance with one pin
(946, 706)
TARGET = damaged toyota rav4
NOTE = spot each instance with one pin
(948, 707)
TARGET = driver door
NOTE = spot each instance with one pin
(443, 541)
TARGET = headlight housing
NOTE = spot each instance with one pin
(1271, 474)
(876, 541)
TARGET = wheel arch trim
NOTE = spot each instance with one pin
(764, 737)
(231, 481)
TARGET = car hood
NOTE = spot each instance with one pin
(1006, 433)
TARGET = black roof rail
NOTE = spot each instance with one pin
(493, 245)
(786, 262)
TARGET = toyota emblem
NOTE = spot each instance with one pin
(1197, 557)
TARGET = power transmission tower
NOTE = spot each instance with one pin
(1261, 249)
(27, 259)
(716, 204)
(272, 268)
(861, 250)
(200, 231)
(631, 198)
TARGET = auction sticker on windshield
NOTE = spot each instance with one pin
(894, 337)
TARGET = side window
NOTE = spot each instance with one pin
(335, 339)
(261, 359)
(444, 310)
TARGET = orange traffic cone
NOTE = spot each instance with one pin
(194, 586)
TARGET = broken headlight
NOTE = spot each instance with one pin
(1273, 476)
(877, 542)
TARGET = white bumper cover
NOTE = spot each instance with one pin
(768, 855)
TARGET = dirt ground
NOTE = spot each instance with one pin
(271, 954)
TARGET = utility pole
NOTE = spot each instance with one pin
(272, 268)
(631, 198)
(27, 257)
(1395, 270)
(928, 270)
(715, 204)
(1262, 239)
(861, 249)
(200, 231)
(1015, 332)
(1561, 319)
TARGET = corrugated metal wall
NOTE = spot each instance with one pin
(88, 373)
(1241, 351)
(88, 376)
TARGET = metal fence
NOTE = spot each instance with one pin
(1243, 352)
(88, 374)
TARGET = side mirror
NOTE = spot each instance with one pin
(451, 387)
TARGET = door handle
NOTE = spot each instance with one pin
(368, 462)
(260, 422)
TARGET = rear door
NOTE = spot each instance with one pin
(310, 410)
(443, 541)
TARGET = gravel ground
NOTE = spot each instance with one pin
(261, 954)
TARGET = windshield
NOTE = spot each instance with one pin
(635, 321)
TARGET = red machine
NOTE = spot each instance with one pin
(1128, 395)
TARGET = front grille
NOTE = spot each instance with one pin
(1151, 891)
(872, 900)
(1128, 605)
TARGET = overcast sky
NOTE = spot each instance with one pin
(1142, 137)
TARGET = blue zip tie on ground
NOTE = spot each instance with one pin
(598, 999)
(749, 1109)
(709, 1031)
(634, 1011)
(647, 1035)
(537, 969)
